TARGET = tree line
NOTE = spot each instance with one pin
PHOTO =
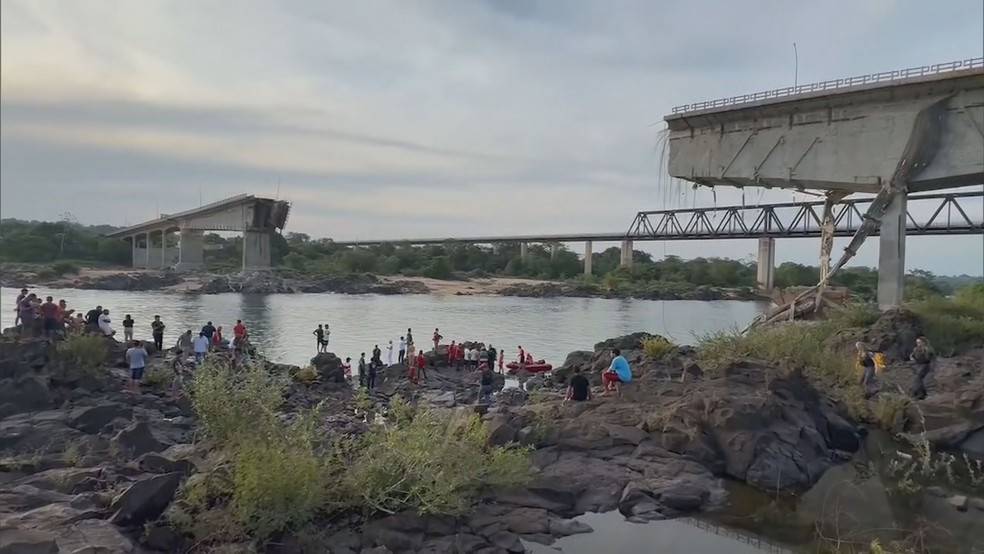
(48, 242)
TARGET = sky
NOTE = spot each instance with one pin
(401, 119)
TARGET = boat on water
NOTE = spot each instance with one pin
(538, 366)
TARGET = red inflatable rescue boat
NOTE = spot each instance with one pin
(536, 367)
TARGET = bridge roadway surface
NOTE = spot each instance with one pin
(783, 220)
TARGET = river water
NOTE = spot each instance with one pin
(281, 325)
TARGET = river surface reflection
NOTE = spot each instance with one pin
(281, 325)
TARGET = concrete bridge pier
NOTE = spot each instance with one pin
(191, 250)
(766, 276)
(891, 254)
(524, 251)
(256, 250)
(554, 249)
(588, 255)
(626, 260)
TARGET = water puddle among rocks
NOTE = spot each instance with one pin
(853, 504)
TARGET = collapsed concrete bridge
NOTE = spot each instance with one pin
(888, 133)
(257, 218)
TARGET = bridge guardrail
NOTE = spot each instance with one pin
(884, 76)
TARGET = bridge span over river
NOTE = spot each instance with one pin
(956, 213)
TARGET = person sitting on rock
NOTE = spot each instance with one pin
(617, 372)
(579, 389)
(347, 369)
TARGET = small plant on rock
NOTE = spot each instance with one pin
(85, 353)
(656, 347)
(306, 375)
(158, 378)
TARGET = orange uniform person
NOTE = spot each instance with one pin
(452, 353)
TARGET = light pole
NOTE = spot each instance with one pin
(796, 67)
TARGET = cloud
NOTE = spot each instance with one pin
(386, 119)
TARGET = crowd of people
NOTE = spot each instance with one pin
(51, 319)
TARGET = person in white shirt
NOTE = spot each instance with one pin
(201, 348)
(389, 353)
(104, 324)
(467, 357)
(403, 351)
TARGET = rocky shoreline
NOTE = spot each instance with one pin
(85, 467)
(286, 282)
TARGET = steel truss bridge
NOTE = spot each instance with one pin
(958, 213)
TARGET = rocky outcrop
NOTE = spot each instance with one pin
(641, 292)
(266, 282)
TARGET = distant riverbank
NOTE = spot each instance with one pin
(286, 282)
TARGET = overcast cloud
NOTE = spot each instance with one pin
(421, 118)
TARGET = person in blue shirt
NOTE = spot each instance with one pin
(616, 373)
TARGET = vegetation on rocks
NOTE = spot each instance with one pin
(273, 473)
(85, 353)
(656, 347)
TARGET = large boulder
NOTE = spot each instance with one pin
(145, 499)
(90, 419)
(329, 367)
(894, 333)
(27, 541)
(136, 439)
(25, 393)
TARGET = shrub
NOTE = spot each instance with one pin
(85, 352)
(306, 375)
(656, 347)
(158, 378)
(953, 324)
(232, 407)
(65, 268)
(431, 464)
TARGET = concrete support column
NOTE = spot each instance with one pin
(163, 249)
(554, 248)
(588, 255)
(256, 250)
(626, 253)
(524, 251)
(766, 276)
(147, 250)
(191, 250)
(133, 251)
(891, 254)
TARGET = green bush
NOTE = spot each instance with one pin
(84, 352)
(656, 347)
(233, 407)
(158, 378)
(953, 324)
(65, 268)
(432, 464)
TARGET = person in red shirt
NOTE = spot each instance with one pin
(217, 337)
(502, 358)
(522, 358)
(412, 367)
(239, 331)
(421, 365)
(49, 313)
(452, 353)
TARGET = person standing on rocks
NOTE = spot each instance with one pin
(136, 356)
(319, 334)
(451, 353)
(49, 315)
(467, 357)
(157, 331)
(208, 330)
(485, 385)
(239, 332)
(421, 365)
(377, 355)
(389, 354)
(327, 336)
(409, 337)
(347, 369)
(373, 367)
(127, 328)
(866, 365)
(922, 358)
(17, 306)
(437, 338)
(522, 358)
(402, 354)
(104, 324)
(92, 319)
(201, 347)
(579, 389)
(491, 357)
(617, 372)
(502, 359)
(217, 337)
(362, 370)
